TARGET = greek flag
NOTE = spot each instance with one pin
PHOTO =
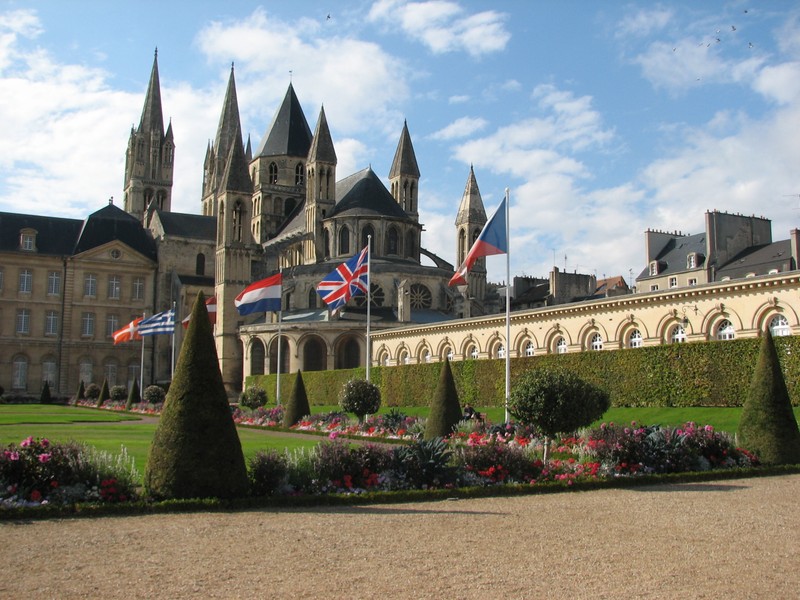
(163, 322)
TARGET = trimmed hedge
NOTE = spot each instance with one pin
(714, 373)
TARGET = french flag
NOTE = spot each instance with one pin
(261, 296)
(492, 240)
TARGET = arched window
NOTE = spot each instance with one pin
(257, 355)
(411, 244)
(678, 335)
(49, 372)
(366, 232)
(326, 239)
(86, 370)
(529, 349)
(501, 351)
(725, 330)
(237, 222)
(561, 346)
(19, 376)
(402, 357)
(344, 241)
(779, 326)
(299, 172)
(426, 356)
(312, 297)
(392, 241)
(448, 353)
(472, 352)
(273, 356)
(200, 264)
(314, 355)
(596, 342)
(349, 355)
(288, 206)
(462, 245)
(273, 173)
(110, 372)
(635, 339)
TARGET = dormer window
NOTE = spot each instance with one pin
(27, 241)
(691, 261)
(654, 268)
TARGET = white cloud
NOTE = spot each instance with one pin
(460, 128)
(644, 22)
(458, 99)
(443, 26)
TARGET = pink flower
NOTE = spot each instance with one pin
(45, 457)
(36, 495)
(26, 442)
(14, 455)
(333, 435)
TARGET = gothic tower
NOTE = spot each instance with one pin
(320, 191)
(278, 168)
(469, 222)
(149, 158)
(404, 175)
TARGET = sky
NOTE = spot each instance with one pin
(602, 119)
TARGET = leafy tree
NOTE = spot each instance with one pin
(133, 395)
(253, 397)
(45, 397)
(92, 392)
(154, 394)
(445, 408)
(767, 425)
(556, 401)
(360, 397)
(196, 452)
(118, 393)
(105, 394)
(297, 407)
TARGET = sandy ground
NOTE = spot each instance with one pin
(732, 539)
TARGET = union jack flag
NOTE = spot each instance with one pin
(347, 280)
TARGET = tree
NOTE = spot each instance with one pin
(196, 452)
(360, 397)
(133, 395)
(45, 397)
(81, 394)
(767, 426)
(445, 406)
(105, 394)
(253, 397)
(556, 401)
(297, 407)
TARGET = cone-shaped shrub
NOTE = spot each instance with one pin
(196, 452)
(297, 407)
(81, 395)
(45, 397)
(767, 426)
(445, 407)
(105, 394)
(133, 395)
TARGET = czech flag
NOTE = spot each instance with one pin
(211, 307)
(492, 240)
(128, 333)
(261, 296)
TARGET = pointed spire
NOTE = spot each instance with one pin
(169, 135)
(248, 150)
(289, 133)
(322, 145)
(471, 209)
(236, 177)
(152, 118)
(405, 160)
(229, 125)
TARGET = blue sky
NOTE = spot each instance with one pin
(603, 119)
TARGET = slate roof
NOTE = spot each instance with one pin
(672, 259)
(405, 159)
(322, 145)
(759, 260)
(55, 235)
(188, 225)
(363, 193)
(289, 133)
(112, 223)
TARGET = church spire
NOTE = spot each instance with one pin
(404, 174)
(152, 118)
(229, 124)
(471, 209)
(322, 144)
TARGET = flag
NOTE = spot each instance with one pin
(163, 322)
(261, 296)
(128, 333)
(347, 280)
(492, 240)
(211, 307)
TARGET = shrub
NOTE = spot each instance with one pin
(253, 397)
(556, 401)
(767, 425)
(92, 392)
(104, 394)
(45, 397)
(445, 408)
(81, 393)
(133, 396)
(118, 393)
(196, 452)
(422, 464)
(497, 462)
(297, 407)
(267, 471)
(153, 394)
(360, 397)
(340, 467)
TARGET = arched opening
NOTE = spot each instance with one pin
(348, 355)
(257, 356)
(273, 356)
(314, 355)
(344, 241)
(200, 264)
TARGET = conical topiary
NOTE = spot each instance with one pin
(81, 395)
(45, 397)
(196, 452)
(445, 406)
(767, 426)
(105, 394)
(297, 407)
(133, 395)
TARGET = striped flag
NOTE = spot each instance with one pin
(261, 296)
(128, 333)
(211, 307)
(492, 240)
(347, 280)
(163, 322)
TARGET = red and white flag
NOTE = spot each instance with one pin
(128, 333)
(211, 307)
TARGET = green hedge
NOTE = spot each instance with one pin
(693, 374)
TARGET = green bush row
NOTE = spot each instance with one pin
(696, 374)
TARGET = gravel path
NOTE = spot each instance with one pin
(732, 539)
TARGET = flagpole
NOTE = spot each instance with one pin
(141, 362)
(369, 300)
(172, 364)
(508, 307)
(278, 378)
